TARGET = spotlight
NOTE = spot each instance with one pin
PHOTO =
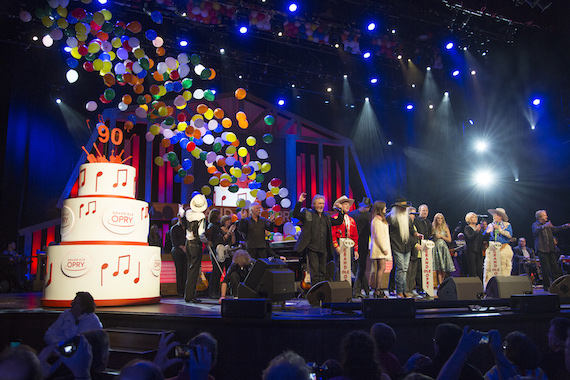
(413, 85)
(336, 45)
(102, 2)
(58, 101)
(367, 99)
(366, 55)
(399, 56)
(393, 31)
(292, 85)
(532, 127)
(449, 46)
(243, 29)
(390, 142)
(222, 51)
(464, 48)
(473, 72)
(298, 96)
(213, 91)
(536, 102)
(484, 178)
(280, 33)
(329, 89)
(327, 102)
(67, 49)
(281, 102)
(180, 7)
(371, 26)
(345, 76)
(241, 17)
(277, 22)
(293, 7)
(183, 43)
(428, 68)
(481, 146)
(455, 73)
(352, 106)
(446, 93)
(430, 106)
(516, 179)
(35, 38)
(373, 80)
(471, 122)
(240, 76)
(484, 53)
(410, 107)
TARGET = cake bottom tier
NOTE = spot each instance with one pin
(113, 274)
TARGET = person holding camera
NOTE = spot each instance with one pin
(79, 318)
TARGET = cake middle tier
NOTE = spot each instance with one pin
(100, 220)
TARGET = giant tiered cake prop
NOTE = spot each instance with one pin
(104, 247)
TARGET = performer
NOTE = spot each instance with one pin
(542, 231)
(442, 260)
(346, 230)
(401, 230)
(362, 218)
(194, 222)
(316, 236)
(423, 227)
(380, 249)
(17, 262)
(214, 235)
(238, 271)
(521, 255)
(473, 246)
(500, 231)
(253, 228)
(178, 251)
(415, 255)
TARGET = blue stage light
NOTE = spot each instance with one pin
(390, 143)
(243, 29)
(373, 80)
(293, 7)
(371, 26)
(281, 102)
(449, 46)
(183, 43)
(103, 2)
(455, 73)
(366, 55)
(536, 102)
(410, 107)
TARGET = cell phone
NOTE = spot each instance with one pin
(183, 351)
(69, 347)
(313, 376)
(484, 338)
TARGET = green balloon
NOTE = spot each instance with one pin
(269, 119)
(90, 57)
(118, 31)
(169, 120)
(119, 77)
(205, 74)
(187, 83)
(175, 163)
(171, 156)
(40, 13)
(217, 147)
(194, 58)
(268, 138)
(203, 155)
(233, 188)
(233, 179)
(109, 94)
(69, 32)
(107, 27)
(209, 95)
(259, 178)
(156, 97)
(182, 173)
(141, 99)
(166, 76)
(145, 64)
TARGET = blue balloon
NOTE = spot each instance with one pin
(72, 62)
(151, 34)
(174, 139)
(72, 20)
(124, 38)
(219, 128)
(195, 193)
(177, 87)
(198, 142)
(210, 203)
(104, 56)
(169, 86)
(252, 185)
(132, 118)
(156, 16)
(186, 164)
(177, 178)
(142, 73)
(237, 164)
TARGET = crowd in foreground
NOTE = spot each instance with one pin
(78, 348)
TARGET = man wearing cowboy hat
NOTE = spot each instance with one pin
(346, 230)
(316, 237)
(500, 231)
(402, 232)
(194, 221)
(542, 231)
(362, 218)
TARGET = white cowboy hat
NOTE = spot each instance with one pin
(343, 199)
(500, 211)
(199, 203)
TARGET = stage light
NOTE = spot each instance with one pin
(67, 49)
(484, 53)
(481, 146)
(345, 76)
(536, 102)
(213, 91)
(473, 72)
(352, 106)
(446, 93)
(532, 127)
(399, 56)
(327, 102)
(298, 96)
(35, 38)
(366, 55)
(367, 99)
(240, 76)
(243, 29)
(58, 101)
(413, 85)
(410, 107)
(464, 48)
(281, 102)
(484, 178)
(430, 106)
(516, 179)
(47, 40)
(72, 76)
(471, 122)
(336, 45)
(222, 51)
(102, 2)
(280, 33)
(449, 46)
(329, 89)
(390, 143)
(455, 73)
(183, 43)
(428, 68)
(241, 17)
(373, 80)
(293, 7)
(393, 31)
(292, 85)
(371, 26)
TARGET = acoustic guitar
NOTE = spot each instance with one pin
(306, 281)
(202, 282)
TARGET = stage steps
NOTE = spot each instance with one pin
(128, 343)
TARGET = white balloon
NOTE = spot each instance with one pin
(167, 133)
(170, 63)
(208, 139)
(262, 154)
(183, 70)
(120, 68)
(157, 42)
(122, 106)
(47, 40)
(182, 58)
(212, 124)
(286, 203)
(283, 192)
(261, 194)
(71, 42)
(91, 106)
(288, 229)
(161, 67)
(72, 76)
(137, 68)
(198, 94)
(199, 68)
(134, 42)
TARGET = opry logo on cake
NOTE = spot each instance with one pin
(119, 219)
(75, 264)
(67, 220)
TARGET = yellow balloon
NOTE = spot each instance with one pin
(75, 53)
(62, 23)
(275, 190)
(242, 152)
(230, 150)
(116, 42)
(252, 176)
(98, 18)
(161, 91)
(61, 11)
(231, 137)
(214, 181)
(154, 129)
(266, 167)
(240, 202)
(250, 141)
(138, 53)
(107, 66)
(112, 55)
(206, 190)
(107, 14)
(97, 65)
(81, 37)
(254, 192)
(209, 114)
(196, 117)
(187, 95)
(162, 111)
(237, 172)
(182, 126)
(196, 152)
(47, 21)
(81, 28)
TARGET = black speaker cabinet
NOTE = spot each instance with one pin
(460, 288)
(389, 308)
(253, 279)
(269, 278)
(561, 286)
(246, 308)
(535, 303)
(506, 286)
(329, 292)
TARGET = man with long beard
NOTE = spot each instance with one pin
(401, 238)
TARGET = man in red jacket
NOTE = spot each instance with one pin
(346, 230)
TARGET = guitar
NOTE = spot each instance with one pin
(224, 252)
(306, 281)
(202, 282)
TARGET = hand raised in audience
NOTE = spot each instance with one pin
(416, 361)
(302, 197)
(164, 347)
(47, 353)
(80, 362)
(200, 363)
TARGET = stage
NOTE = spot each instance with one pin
(246, 345)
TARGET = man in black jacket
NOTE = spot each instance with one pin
(542, 231)
(177, 237)
(362, 218)
(316, 235)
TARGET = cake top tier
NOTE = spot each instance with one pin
(106, 179)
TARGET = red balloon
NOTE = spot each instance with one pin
(191, 146)
(88, 66)
(275, 182)
(78, 13)
(103, 100)
(95, 26)
(181, 117)
(82, 50)
(276, 208)
(174, 75)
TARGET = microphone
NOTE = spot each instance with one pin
(414, 213)
(482, 216)
(337, 209)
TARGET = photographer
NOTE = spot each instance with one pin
(202, 357)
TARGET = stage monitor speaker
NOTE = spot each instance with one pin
(506, 286)
(255, 275)
(246, 308)
(389, 308)
(535, 303)
(460, 289)
(561, 286)
(269, 278)
(329, 292)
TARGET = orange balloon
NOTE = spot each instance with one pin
(221, 162)
(246, 169)
(189, 179)
(147, 98)
(169, 110)
(265, 214)
(129, 125)
(240, 116)
(127, 99)
(102, 36)
(109, 79)
(217, 174)
(236, 143)
(243, 124)
(178, 167)
(154, 89)
(227, 122)
(165, 143)
(212, 169)
(201, 109)
(240, 94)
(158, 105)
(189, 131)
(269, 194)
(138, 88)
(213, 74)
(225, 182)
(197, 134)
(134, 26)
(150, 63)
(160, 52)
(278, 221)
(218, 113)
(127, 77)
(234, 218)
(157, 76)
(138, 80)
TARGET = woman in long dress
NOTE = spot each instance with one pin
(442, 261)
(379, 244)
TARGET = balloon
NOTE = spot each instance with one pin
(261, 195)
(241, 116)
(250, 141)
(266, 167)
(275, 182)
(240, 202)
(283, 192)
(288, 228)
(25, 16)
(242, 151)
(240, 93)
(268, 138)
(159, 161)
(214, 181)
(270, 201)
(206, 190)
(188, 179)
(275, 190)
(285, 203)
(208, 139)
(91, 106)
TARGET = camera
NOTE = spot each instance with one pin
(318, 372)
(484, 338)
(183, 351)
(69, 347)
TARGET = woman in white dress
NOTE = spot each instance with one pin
(379, 244)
